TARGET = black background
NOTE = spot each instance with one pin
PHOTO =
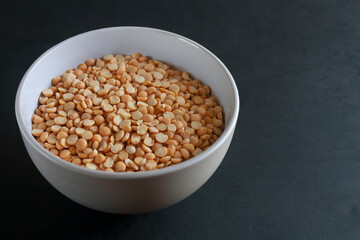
(293, 169)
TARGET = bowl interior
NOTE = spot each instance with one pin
(173, 49)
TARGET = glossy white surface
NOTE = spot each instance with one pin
(128, 192)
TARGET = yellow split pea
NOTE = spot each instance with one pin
(125, 114)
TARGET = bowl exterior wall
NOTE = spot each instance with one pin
(128, 196)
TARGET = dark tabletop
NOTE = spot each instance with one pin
(293, 169)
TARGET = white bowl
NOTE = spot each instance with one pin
(136, 192)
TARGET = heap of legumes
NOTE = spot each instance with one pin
(125, 114)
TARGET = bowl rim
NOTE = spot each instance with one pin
(127, 175)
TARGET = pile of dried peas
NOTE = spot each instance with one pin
(125, 114)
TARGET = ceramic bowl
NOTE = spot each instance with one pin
(138, 192)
